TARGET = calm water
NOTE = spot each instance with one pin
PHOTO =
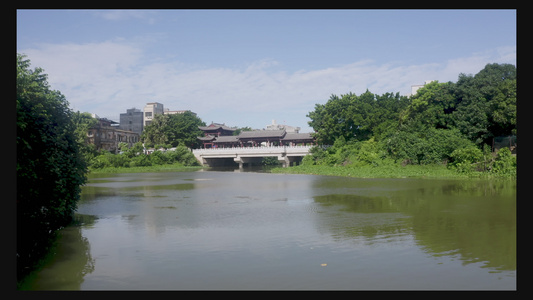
(210, 230)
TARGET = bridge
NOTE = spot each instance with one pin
(287, 155)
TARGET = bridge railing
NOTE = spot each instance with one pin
(254, 149)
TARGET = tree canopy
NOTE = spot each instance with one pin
(480, 107)
(173, 130)
(424, 128)
(50, 165)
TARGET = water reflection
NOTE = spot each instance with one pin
(475, 220)
(69, 262)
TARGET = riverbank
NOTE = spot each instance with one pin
(386, 171)
(175, 167)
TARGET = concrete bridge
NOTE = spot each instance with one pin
(287, 155)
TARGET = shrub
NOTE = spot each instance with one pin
(465, 159)
(158, 158)
(141, 160)
(505, 163)
(429, 146)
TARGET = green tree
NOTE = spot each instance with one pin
(136, 149)
(356, 117)
(173, 130)
(502, 115)
(186, 131)
(50, 165)
(333, 119)
(82, 122)
(239, 130)
(387, 113)
(486, 103)
(158, 132)
(431, 106)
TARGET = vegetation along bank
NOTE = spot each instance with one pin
(444, 130)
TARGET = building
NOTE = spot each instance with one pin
(415, 88)
(258, 138)
(132, 120)
(106, 136)
(216, 129)
(275, 126)
(150, 110)
(220, 136)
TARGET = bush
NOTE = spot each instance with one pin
(429, 146)
(465, 159)
(505, 163)
(184, 156)
(134, 157)
(158, 158)
(141, 160)
(370, 153)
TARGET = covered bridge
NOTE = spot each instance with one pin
(257, 138)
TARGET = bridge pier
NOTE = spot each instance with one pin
(247, 160)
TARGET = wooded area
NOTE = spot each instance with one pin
(450, 123)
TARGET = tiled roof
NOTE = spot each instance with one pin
(298, 136)
(215, 126)
(262, 134)
(206, 138)
(258, 134)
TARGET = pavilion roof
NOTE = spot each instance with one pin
(206, 138)
(297, 136)
(262, 134)
(215, 126)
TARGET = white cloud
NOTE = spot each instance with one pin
(108, 78)
(120, 15)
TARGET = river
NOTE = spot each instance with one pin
(220, 230)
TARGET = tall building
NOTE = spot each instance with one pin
(150, 110)
(132, 120)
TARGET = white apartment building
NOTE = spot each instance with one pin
(150, 110)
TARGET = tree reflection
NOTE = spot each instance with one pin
(475, 220)
(68, 262)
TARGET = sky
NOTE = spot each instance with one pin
(246, 68)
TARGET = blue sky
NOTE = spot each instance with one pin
(249, 67)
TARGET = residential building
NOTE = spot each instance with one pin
(150, 110)
(105, 135)
(132, 120)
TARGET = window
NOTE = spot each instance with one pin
(148, 114)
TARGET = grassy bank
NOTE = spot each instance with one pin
(386, 171)
(175, 167)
